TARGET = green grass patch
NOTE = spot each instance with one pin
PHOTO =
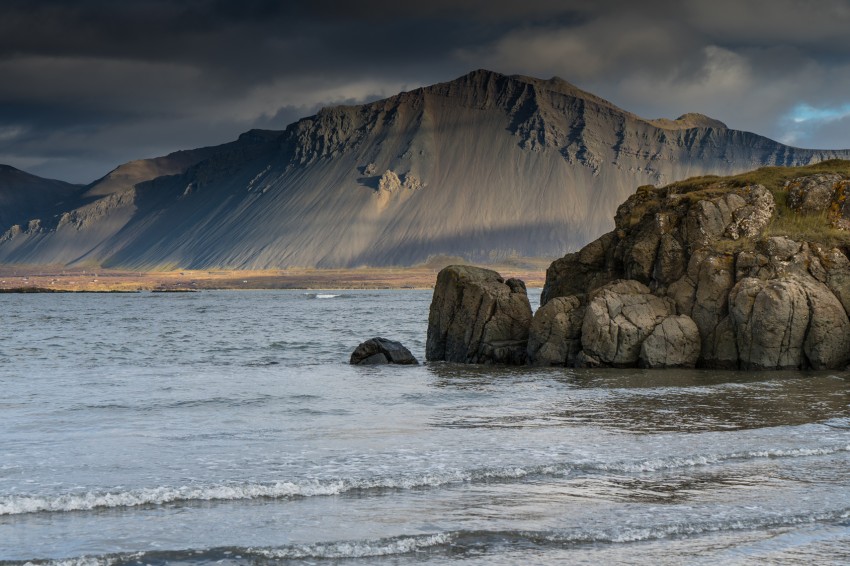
(787, 222)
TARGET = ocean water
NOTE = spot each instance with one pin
(227, 427)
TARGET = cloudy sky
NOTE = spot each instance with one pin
(86, 85)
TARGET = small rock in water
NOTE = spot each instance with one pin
(381, 351)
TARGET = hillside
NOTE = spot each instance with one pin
(485, 167)
(24, 197)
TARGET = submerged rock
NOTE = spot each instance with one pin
(478, 317)
(378, 350)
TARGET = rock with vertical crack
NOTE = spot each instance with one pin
(478, 317)
(618, 319)
(675, 343)
(555, 335)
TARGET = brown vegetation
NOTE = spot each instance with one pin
(40, 278)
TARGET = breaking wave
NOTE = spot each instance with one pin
(22, 504)
(458, 543)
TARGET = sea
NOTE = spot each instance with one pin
(227, 427)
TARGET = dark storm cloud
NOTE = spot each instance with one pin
(92, 83)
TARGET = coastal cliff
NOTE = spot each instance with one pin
(743, 272)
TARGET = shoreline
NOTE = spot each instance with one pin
(56, 279)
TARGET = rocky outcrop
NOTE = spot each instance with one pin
(688, 277)
(822, 193)
(376, 351)
(478, 317)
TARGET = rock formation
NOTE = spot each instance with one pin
(376, 351)
(483, 167)
(708, 273)
(477, 317)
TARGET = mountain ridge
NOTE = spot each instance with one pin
(485, 167)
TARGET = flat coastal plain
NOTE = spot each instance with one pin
(23, 278)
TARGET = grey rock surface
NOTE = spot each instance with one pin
(675, 343)
(381, 351)
(555, 334)
(618, 319)
(478, 317)
(813, 193)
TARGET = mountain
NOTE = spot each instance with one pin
(486, 167)
(24, 197)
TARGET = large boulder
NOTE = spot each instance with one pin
(831, 267)
(702, 293)
(821, 193)
(675, 343)
(478, 317)
(705, 268)
(618, 319)
(788, 323)
(555, 335)
(378, 350)
(812, 193)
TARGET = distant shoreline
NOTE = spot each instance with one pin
(41, 279)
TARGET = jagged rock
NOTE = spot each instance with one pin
(675, 343)
(742, 213)
(821, 193)
(671, 263)
(827, 343)
(750, 219)
(780, 248)
(381, 351)
(555, 334)
(618, 319)
(478, 317)
(749, 264)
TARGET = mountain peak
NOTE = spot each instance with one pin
(688, 121)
